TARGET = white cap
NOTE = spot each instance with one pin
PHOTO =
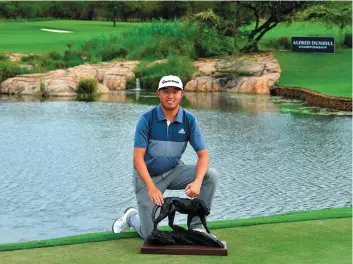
(170, 81)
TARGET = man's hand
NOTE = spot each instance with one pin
(193, 189)
(156, 196)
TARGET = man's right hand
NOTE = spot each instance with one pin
(156, 196)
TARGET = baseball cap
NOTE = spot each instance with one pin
(170, 81)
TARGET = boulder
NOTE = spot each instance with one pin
(115, 82)
(112, 76)
(203, 84)
(103, 89)
(260, 71)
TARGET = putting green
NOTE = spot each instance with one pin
(319, 241)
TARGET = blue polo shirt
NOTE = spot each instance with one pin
(165, 144)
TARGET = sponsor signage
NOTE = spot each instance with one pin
(314, 44)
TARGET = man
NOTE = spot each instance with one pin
(161, 137)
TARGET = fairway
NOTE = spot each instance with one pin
(329, 74)
(319, 242)
(27, 37)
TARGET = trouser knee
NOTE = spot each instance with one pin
(211, 177)
(145, 212)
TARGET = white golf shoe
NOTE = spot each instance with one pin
(121, 223)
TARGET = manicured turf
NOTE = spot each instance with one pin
(27, 37)
(104, 236)
(302, 29)
(329, 74)
(320, 241)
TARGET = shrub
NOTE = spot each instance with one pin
(30, 58)
(150, 73)
(113, 52)
(70, 55)
(87, 86)
(3, 57)
(348, 40)
(42, 88)
(285, 43)
(282, 43)
(9, 70)
(54, 55)
(153, 41)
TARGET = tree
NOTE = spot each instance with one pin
(274, 12)
(329, 13)
(114, 10)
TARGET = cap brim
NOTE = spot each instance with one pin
(170, 86)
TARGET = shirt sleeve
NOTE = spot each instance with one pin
(141, 133)
(197, 140)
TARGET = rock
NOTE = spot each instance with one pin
(114, 76)
(203, 84)
(115, 82)
(23, 84)
(102, 89)
(261, 71)
(206, 67)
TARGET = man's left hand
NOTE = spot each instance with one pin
(193, 189)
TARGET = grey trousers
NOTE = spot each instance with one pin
(175, 179)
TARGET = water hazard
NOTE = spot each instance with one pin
(65, 166)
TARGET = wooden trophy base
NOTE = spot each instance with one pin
(184, 249)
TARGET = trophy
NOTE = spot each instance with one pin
(181, 240)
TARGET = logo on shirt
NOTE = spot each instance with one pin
(181, 131)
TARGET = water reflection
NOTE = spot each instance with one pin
(228, 102)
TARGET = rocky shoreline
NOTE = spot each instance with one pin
(260, 72)
(313, 98)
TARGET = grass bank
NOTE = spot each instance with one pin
(329, 74)
(301, 29)
(284, 239)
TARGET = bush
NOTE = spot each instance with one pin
(282, 43)
(348, 40)
(3, 57)
(113, 52)
(31, 58)
(70, 55)
(150, 73)
(54, 55)
(87, 86)
(153, 41)
(9, 70)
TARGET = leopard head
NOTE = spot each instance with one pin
(201, 207)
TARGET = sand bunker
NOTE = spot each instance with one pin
(55, 30)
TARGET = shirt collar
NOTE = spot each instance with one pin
(161, 117)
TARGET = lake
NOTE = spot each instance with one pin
(66, 165)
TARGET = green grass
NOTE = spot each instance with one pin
(329, 74)
(301, 29)
(27, 37)
(319, 242)
(103, 236)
